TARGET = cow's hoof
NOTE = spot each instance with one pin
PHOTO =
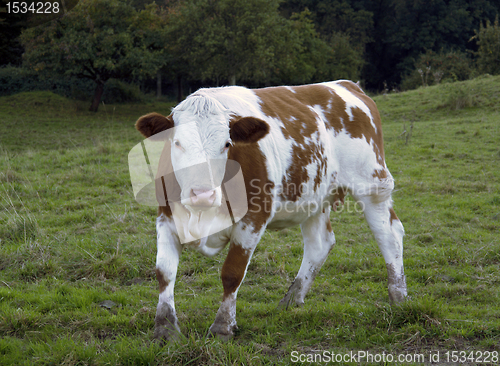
(222, 332)
(166, 326)
(287, 302)
(164, 334)
(397, 295)
(291, 298)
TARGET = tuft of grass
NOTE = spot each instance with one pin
(425, 312)
(459, 96)
(10, 176)
(19, 228)
(17, 224)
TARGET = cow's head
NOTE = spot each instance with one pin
(204, 132)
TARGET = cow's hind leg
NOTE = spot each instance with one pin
(318, 241)
(389, 233)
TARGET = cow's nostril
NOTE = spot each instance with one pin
(202, 196)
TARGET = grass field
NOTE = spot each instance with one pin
(77, 253)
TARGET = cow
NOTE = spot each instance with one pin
(300, 150)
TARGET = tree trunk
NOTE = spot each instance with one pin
(232, 79)
(158, 85)
(99, 89)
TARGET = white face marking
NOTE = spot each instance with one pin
(199, 150)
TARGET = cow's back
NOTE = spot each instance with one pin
(322, 137)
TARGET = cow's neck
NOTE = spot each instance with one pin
(193, 226)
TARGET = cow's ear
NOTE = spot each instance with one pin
(153, 123)
(247, 129)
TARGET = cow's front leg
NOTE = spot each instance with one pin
(232, 274)
(167, 261)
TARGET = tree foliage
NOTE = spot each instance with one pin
(249, 41)
(17, 16)
(435, 67)
(336, 17)
(341, 34)
(267, 42)
(229, 40)
(99, 40)
(488, 54)
(405, 29)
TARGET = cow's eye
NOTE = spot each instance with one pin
(227, 145)
(177, 143)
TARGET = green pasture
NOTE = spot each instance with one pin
(77, 252)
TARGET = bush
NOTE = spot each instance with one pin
(116, 91)
(488, 54)
(459, 96)
(432, 68)
(14, 80)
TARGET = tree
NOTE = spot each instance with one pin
(10, 49)
(405, 29)
(230, 40)
(343, 27)
(16, 16)
(317, 58)
(99, 40)
(488, 54)
(333, 17)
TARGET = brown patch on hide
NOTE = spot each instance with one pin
(257, 184)
(166, 186)
(338, 198)
(165, 210)
(234, 268)
(335, 113)
(351, 86)
(161, 280)
(291, 107)
(381, 174)
(297, 176)
(294, 108)
(329, 225)
(361, 126)
(393, 215)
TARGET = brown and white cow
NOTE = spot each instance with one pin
(301, 149)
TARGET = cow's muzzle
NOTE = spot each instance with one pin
(201, 198)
